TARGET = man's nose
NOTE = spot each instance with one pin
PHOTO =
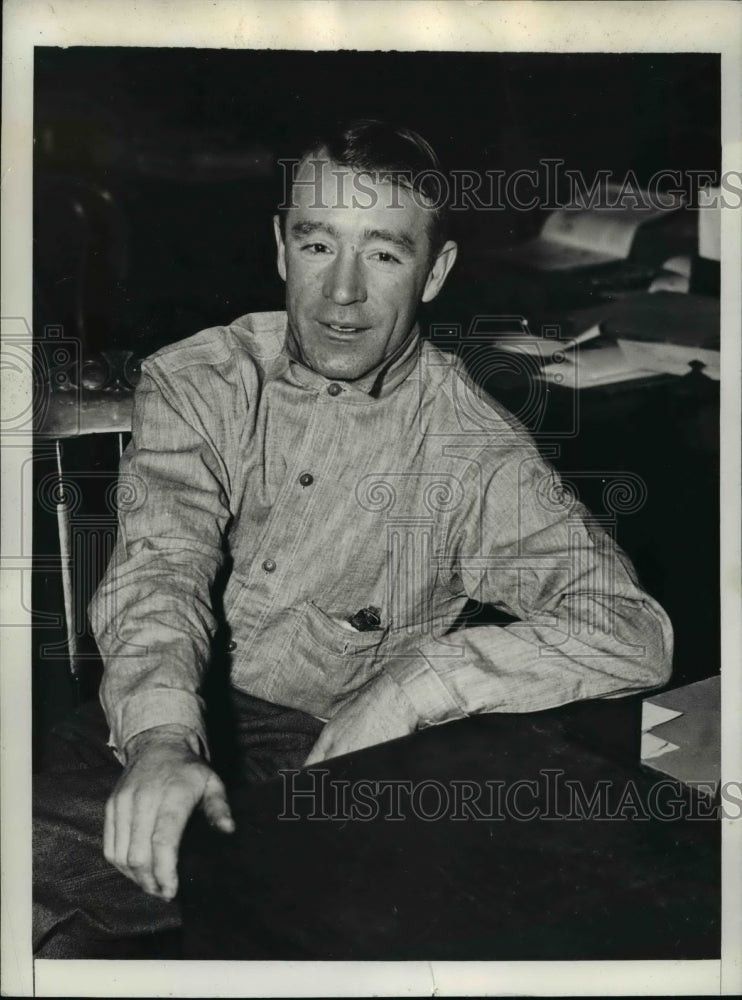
(344, 281)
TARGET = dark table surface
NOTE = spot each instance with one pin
(523, 871)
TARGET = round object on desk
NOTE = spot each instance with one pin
(94, 373)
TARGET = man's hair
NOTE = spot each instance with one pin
(386, 152)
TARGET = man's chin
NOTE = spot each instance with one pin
(343, 369)
(342, 374)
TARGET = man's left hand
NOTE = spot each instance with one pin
(381, 711)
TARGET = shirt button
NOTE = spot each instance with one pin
(231, 646)
(306, 479)
(334, 389)
(269, 565)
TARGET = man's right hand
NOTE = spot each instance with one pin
(163, 782)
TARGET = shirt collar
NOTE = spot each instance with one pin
(376, 384)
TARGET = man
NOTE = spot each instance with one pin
(355, 489)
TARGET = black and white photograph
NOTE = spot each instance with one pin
(371, 500)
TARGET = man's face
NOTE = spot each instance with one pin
(357, 261)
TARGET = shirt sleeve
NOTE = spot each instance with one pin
(152, 615)
(584, 627)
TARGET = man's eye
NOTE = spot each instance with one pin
(385, 257)
(315, 248)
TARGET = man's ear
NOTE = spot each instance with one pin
(442, 264)
(280, 247)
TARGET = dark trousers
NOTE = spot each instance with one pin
(83, 906)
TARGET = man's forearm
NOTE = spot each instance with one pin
(528, 666)
(151, 615)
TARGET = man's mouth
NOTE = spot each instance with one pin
(344, 329)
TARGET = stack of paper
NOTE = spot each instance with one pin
(666, 331)
(681, 734)
(653, 745)
(590, 234)
(599, 364)
(523, 341)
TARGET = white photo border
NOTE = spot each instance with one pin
(558, 26)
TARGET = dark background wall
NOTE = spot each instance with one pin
(185, 140)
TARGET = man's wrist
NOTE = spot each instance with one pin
(423, 688)
(401, 702)
(172, 733)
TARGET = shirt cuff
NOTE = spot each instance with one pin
(430, 697)
(160, 707)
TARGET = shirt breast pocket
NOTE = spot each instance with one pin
(322, 663)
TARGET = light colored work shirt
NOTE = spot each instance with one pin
(409, 491)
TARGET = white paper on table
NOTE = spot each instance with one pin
(709, 223)
(671, 281)
(678, 265)
(653, 746)
(600, 365)
(671, 359)
(541, 347)
(603, 230)
(654, 715)
(608, 233)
